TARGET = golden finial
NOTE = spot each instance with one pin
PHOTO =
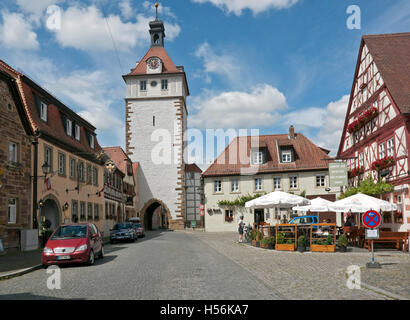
(156, 8)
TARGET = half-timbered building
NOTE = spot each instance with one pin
(375, 139)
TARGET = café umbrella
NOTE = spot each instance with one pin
(360, 203)
(316, 205)
(277, 199)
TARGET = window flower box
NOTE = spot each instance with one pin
(228, 219)
(384, 163)
(362, 120)
(398, 217)
(356, 172)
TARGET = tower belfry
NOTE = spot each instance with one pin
(157, 30)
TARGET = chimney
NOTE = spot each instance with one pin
(292, 132)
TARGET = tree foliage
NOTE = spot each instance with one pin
(369, 187)
(238, 202)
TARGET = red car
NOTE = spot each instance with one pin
(73, 243)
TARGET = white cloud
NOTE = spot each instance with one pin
(327, 122)
(87, 29)
(36, 7)
(258, 108)
(224, 65)
(16, 32)
(126, 10)
(256, 6)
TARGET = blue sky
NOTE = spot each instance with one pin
(250, 64)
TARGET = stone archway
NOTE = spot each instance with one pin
(151, 207)
(51, 210)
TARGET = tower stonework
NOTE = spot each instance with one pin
(156, 120)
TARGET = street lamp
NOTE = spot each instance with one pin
(46, 169)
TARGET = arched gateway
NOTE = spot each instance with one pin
(155, 215)
(51, 211)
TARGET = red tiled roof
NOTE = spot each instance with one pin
(391, 53)
(192, 168)
(308, 156)
(54, 127)
(167, 65)
(118, 156)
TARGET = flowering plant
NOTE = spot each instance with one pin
(398, 214)
(362, 120)
(356, 172)
(384, 163)
(228, 219)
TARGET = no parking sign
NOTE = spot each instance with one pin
(372, 219)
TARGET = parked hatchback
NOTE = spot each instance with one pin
(73, 243)
(139, 229)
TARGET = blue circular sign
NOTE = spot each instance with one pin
(372, 219)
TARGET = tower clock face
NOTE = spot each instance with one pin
(153, 63)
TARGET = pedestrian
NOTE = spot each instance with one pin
(240, 228)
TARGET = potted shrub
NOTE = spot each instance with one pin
(323, 245)
(253, 237)
(268, 243)
(302, 243)
(258, 238)
(342, 243)
(283, 243)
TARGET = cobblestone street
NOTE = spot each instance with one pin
(294, 275)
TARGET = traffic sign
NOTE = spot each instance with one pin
(372, 219)
(201, 207)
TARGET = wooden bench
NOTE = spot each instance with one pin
(391, 237)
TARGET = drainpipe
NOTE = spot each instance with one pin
(35, 173)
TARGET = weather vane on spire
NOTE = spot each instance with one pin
(156, 9)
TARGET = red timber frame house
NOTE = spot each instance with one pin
(375, 139)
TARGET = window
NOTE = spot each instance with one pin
(107, 212)
(96, 212)
(74, 211)
(293, 182)
(95, 176)
(12, 211)
(81, 171)
(258, 184)
(69, 126)
(43, 111)
(235, 185)
(77, 132)
(89, 174)
(48, 156)
(217, 186)
(258, 157)
(276, 183)
(72, 168)
(13, 152)
(90, 211)
(361, 162)
(382, 151)
(82, 210)
(228, 215)
(164, 84)
(286, 156)
(92, 141)
(143, 85)
(320, 180)
(61, 164)
(153, 121)
(390, 147)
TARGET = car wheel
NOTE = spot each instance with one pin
(112, 241)
(91, 258)
(101, 255)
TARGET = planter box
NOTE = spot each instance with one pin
(258, 244)
(265, 246)
(285, 247)
(254, 243)
(322, 248)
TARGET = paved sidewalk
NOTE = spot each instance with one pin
(14, 263)
(317, 276)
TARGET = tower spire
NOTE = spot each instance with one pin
(157, 30)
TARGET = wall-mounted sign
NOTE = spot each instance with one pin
(338, 174)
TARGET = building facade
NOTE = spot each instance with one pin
(15, 165)
(156, 119)
(67, 173)
(375, 140)
(194, 196)
(285, 162)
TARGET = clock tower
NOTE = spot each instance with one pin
(156, 120)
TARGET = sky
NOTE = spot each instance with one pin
(264, 64)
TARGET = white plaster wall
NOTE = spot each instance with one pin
(176, 86)
(155, 180)
(216, 222)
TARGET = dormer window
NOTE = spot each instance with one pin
(77, 132)
(257, 157)
(286, 156)
(43, 111)
(91, 141)
(69, 125)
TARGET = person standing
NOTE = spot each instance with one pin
(240, 228)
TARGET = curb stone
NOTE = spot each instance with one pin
(21, 272)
